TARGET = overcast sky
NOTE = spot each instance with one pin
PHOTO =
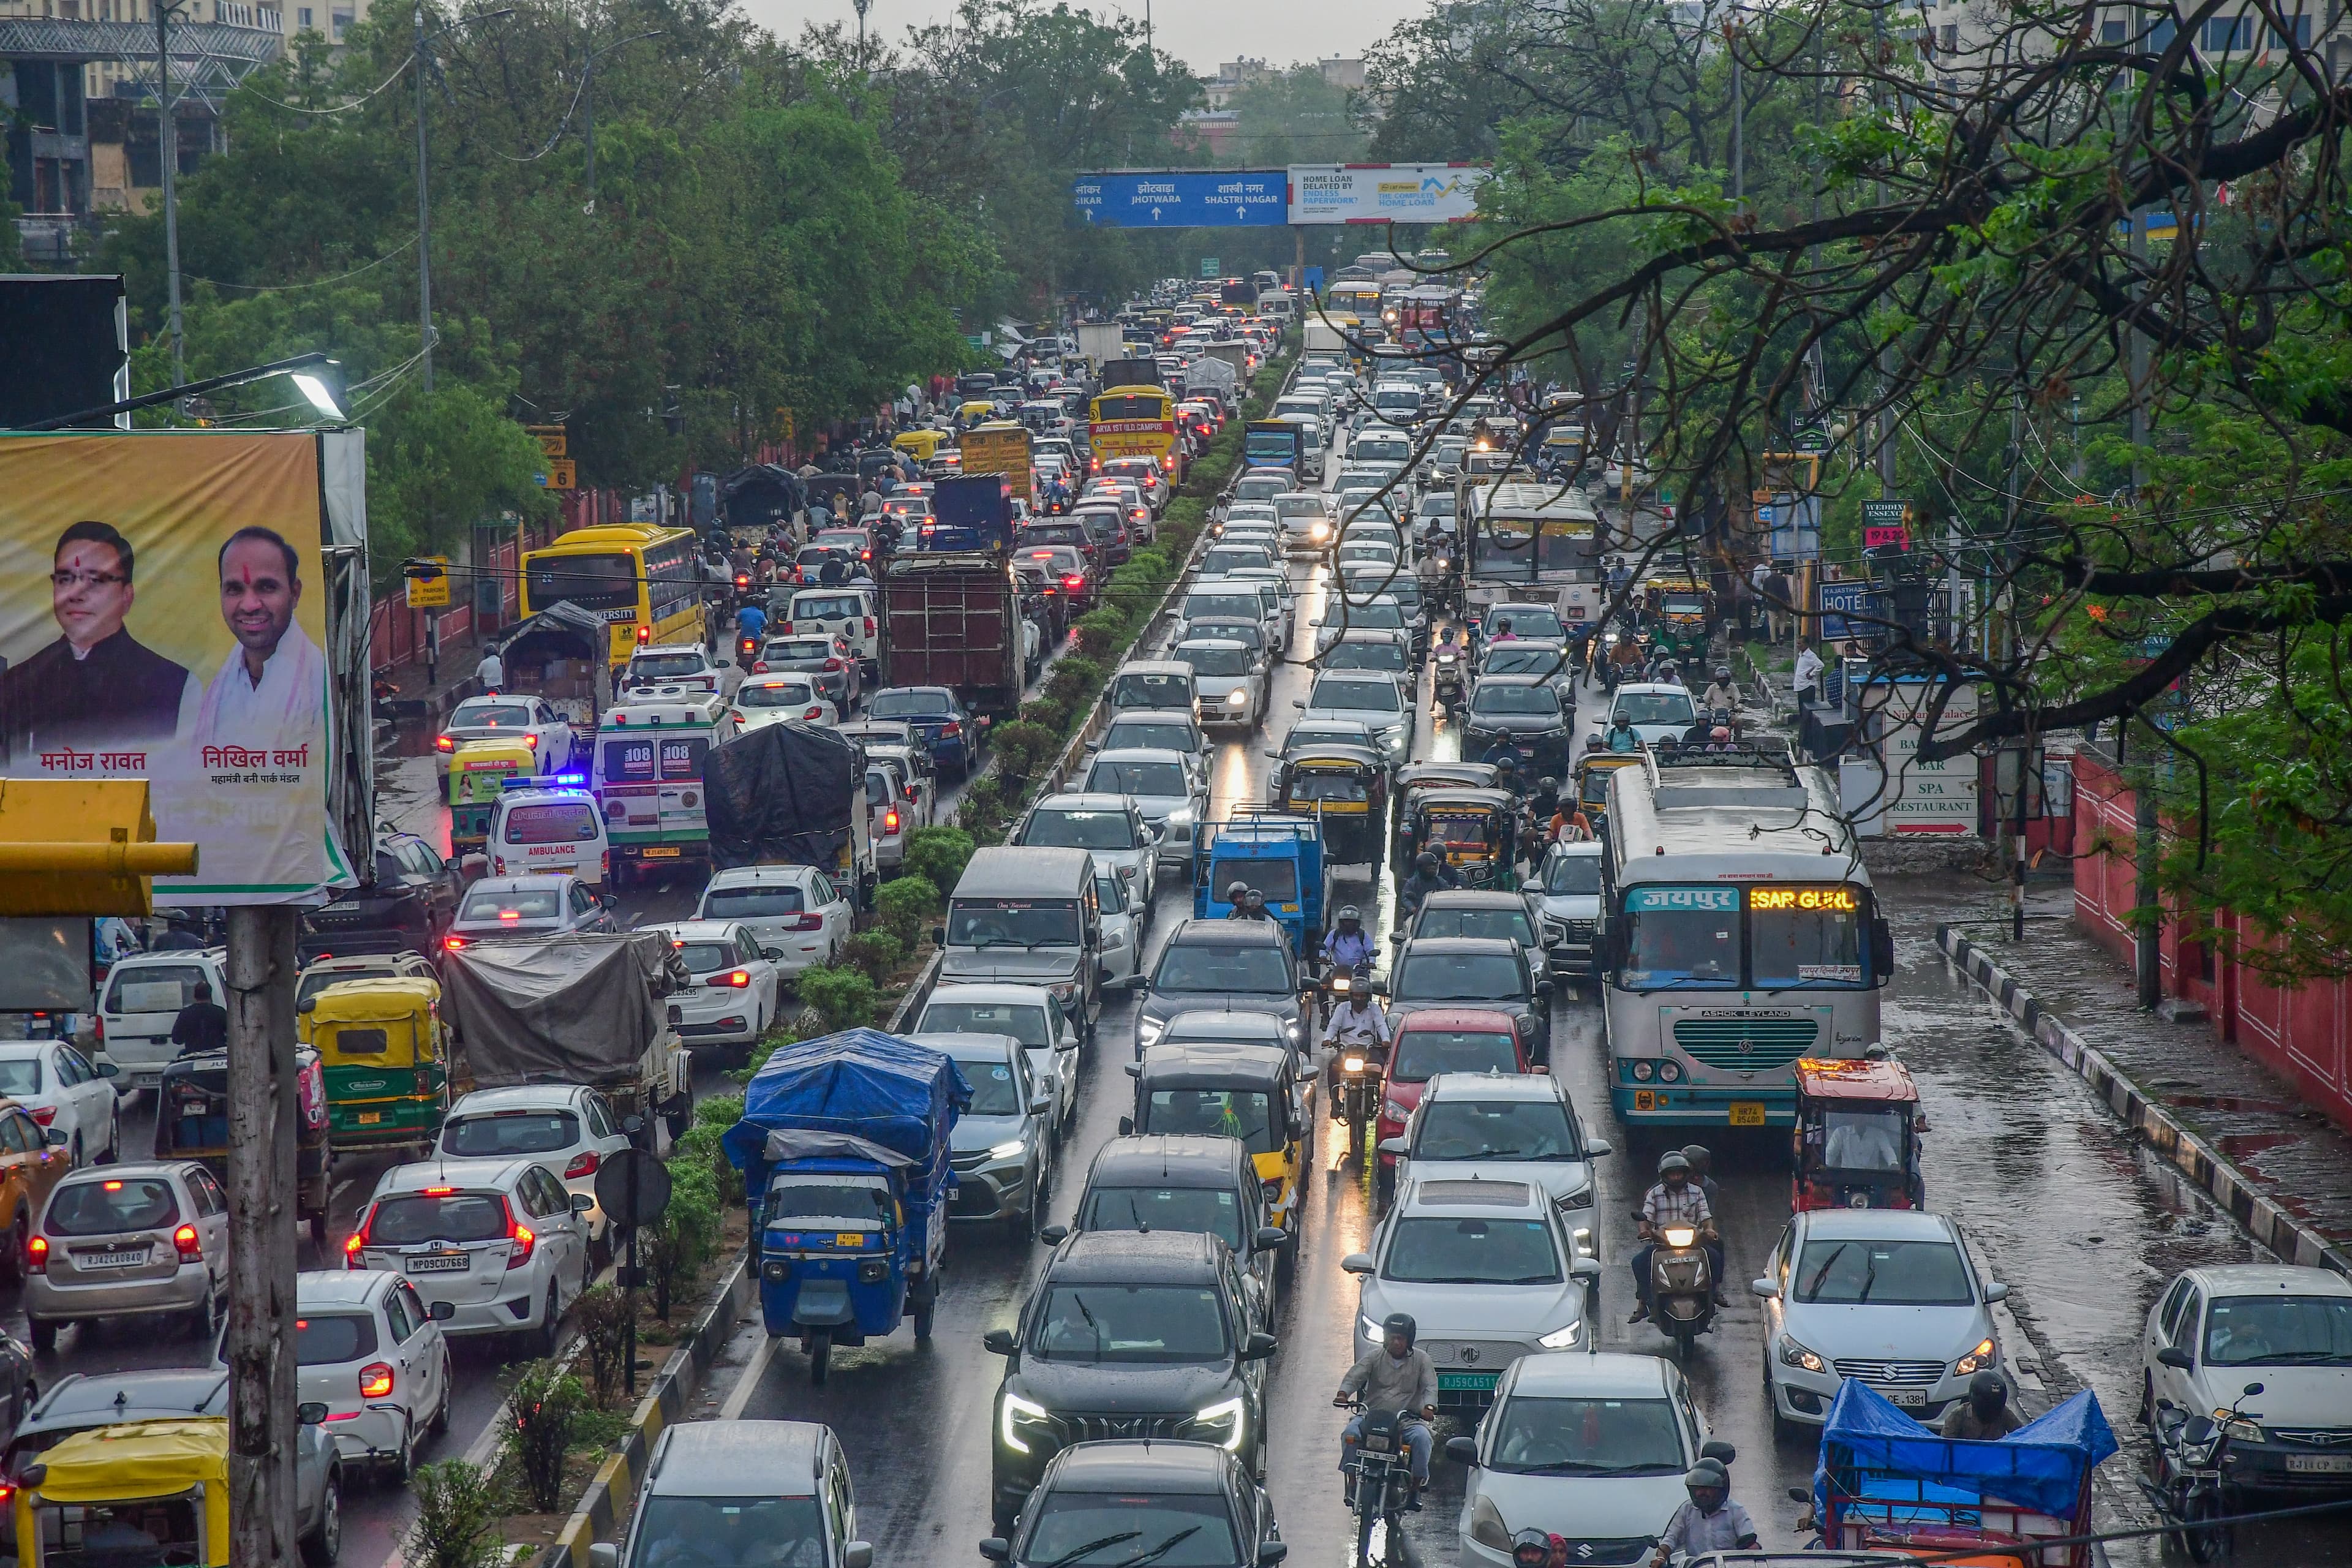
(1202, 33)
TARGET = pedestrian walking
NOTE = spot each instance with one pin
(1808, 681)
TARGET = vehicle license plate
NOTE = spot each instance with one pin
(120, 1257)
(2319, 1464)
(1909, 1398)
(438, 1263)
(662, 852)
(1468, 1382)
(849, 1238)
(1750, 1113)
(370, 1118)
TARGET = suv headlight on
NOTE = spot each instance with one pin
(1796, 1355)
(1007, 1151)
(1015, 1413)
(1560, 1339)
(1221, 1424)
(1149, 1030)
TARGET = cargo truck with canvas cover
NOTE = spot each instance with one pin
(844, 1146)
(585, 1009)
(791, 795)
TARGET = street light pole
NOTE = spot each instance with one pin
(424, 216)
(862, 6)
(168, 144)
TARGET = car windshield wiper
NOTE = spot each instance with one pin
(1161, 1549)
(1076, 1553)
(2294, 1358)
(1580, 1467)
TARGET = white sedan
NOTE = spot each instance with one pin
(733, 997)
(528, 719)
(65, 1094)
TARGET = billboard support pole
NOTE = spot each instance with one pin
(262, 1109)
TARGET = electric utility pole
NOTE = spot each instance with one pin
(424, 215)
(261, 1229)
(2147, 967)
(168, 144)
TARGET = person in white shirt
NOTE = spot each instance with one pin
(492, 671)
(1808, 681)
(270, 694)
(1710, 1522)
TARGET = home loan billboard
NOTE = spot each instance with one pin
(1385, 192)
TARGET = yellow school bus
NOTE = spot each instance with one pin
(642, 581)
(1134, 422)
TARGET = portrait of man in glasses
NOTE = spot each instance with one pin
(96, 685)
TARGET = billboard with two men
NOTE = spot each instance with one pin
(165, 605)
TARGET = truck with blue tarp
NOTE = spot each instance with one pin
(844, 1146)
(1886, 1484)
(1279, 855)
(975, 512)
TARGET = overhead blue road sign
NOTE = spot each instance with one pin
(1182, 198)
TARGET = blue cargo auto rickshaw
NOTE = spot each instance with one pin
(844, 1149)
(1279, 855)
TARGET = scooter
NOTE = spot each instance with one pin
(2192, 1488)
(1682, 1285)
(1446, 682)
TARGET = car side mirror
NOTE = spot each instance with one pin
(998, 1340)
(996, 1549)
(442, 1311)
(1599, 1148)
(1392, 1145)
(583, 1201)
(1462, 1450)
(1126, 1126)
(1763, 1290)
(2173, 1357)
(56, 1138)
(857, 1554)
(1259, 1347)
(1587, 1269)
(1054, 1235)
(1996, 1291)
(939, 936)
(108, 1069)
(604, 1554)
(1267, 1238)
(304, 1005)
(1356, 1263)
(1718, 1450)
(1270, 1553)
(771, 954)
(310, 1413)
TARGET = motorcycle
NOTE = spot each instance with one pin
(1682, 1285)
(1379, 1485)
(1359, 1071)
(2191, 1489)
(1446, 682)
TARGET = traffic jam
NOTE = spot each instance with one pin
(1435, 1079)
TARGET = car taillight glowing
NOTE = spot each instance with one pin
(444, 743)
(531, 741)
(375, 1380)
(453, 942)
(44, 1115)
(736, 979)
(814, 713)
(191, 1245)
(950, 729)
(520, 1242)
(36, 1255)
(583, 1164)
(1074, 581)
(869, 626)
(834, 664)
(890, 820)
(809, 923)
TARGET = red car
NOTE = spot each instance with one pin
(1446, 1039)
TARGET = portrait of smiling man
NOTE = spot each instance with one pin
(269, 690)
(96, 684)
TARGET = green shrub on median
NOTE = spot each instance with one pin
(843, 996)
(906, 906)
(938, 854)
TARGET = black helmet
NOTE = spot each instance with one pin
(1504, 764)
(1351, 915)
(1988, 1391)
(1235, 893)
(1401, 1324)
(1708, 1474)
(1256, 899)
(1548, 783)
(1672, 1160)
(1427, 861)
(1723, 673)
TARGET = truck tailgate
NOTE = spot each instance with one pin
(951, 629)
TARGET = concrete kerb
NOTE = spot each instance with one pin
(2192, 1156)
(615, 1480)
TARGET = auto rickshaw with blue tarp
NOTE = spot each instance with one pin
(192, 1124)
(1857, 1135)
(844, 1146)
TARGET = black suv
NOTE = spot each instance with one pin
(1177, 1182)
(412, 902)
(1136, 1499)
(1127, 1334)
(1221, 965)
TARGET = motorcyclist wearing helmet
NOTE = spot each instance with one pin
(1676, 1200)
(1358, 1024)
(1623, 736)
(1710, 1522)
(1984, 1416)
(1546, 799)
(1350, 945)
(1722, 692)
(1430, 875)
(1393, 1375)
(1253, 906)
(1238, 895)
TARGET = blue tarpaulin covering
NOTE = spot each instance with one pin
(892, 1091)
(2040, 1465)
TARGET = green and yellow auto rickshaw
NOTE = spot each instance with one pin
(1682, 613)
(384, 1053)
(478, 772)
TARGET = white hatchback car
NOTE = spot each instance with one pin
(1592, 1449)
(58, 1084)
(1029, 1014)
(1887, 1296)
(2289, 1329)
(499, 1240)
(569, 1129)
(766, 699)
(734, 996)
(797, 915)
(370, 1350)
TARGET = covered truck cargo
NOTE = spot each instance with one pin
(584, 1010)
(860, 1084)
(783, 795)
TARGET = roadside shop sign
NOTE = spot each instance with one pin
(1886, 525)
(1385, 192)
(170, 610)
(1180, 198)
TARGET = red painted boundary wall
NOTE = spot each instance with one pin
(2304, 1034)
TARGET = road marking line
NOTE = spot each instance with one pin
(340, 1187)
(753, 1370)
